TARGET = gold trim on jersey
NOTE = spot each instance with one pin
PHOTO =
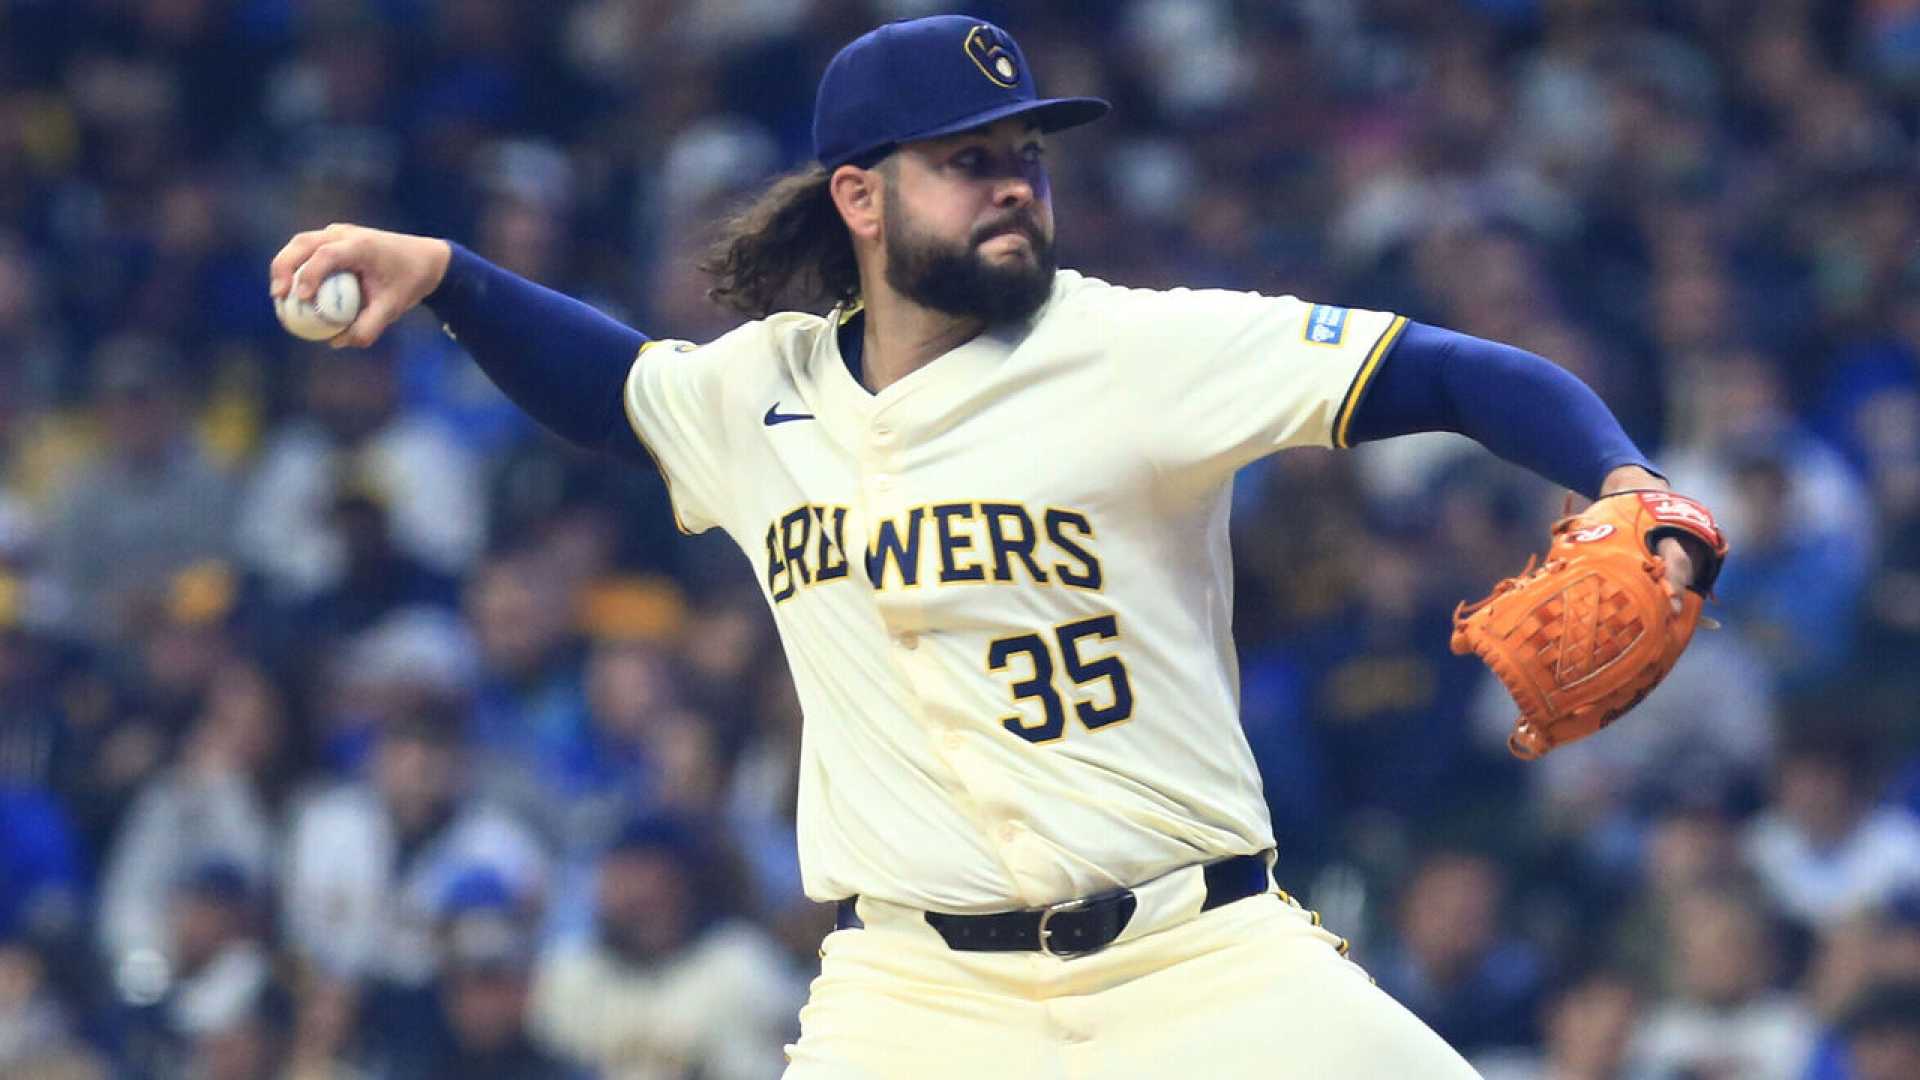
(626, 405)
(1341, 945)
(1364, 377)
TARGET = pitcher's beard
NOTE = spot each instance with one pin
(960, 281)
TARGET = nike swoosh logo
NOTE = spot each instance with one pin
(775, 416)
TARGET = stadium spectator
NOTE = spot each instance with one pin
(1721, 1014)
(202, 999)
(1377, 670)
(216, 802)
(530, 704)
(127, 709)
(352, 437)
(410, 830)
(377, 577)
(672, 981)
(150, 505)
(1861, 952)
(611, 767)
(1452, 962)
(1827, 847)
(181, 635)
(1586, 1030)
(471, 1019)
(1688, 847)
(1797, 593)
(413, 659)
(636, 751)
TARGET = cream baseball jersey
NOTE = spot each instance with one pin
(1003, 582)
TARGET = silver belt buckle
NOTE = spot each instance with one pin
(1078, 903)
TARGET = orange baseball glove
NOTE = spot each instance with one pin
(1582, 637)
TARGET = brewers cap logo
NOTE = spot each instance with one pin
(992, 52)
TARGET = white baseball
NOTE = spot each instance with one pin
(332, 309)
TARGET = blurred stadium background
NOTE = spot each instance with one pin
(352, 727)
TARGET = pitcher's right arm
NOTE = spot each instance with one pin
(562, 361)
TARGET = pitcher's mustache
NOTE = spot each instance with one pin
(1020, 223)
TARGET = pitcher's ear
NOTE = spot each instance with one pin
(858, 193)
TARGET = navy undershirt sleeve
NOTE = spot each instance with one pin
(563, 362)
(1522, 407)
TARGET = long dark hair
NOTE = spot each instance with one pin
(786, 250)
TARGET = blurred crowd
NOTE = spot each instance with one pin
(351, 726)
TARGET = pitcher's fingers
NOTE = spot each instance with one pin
(280, 270)
(1678, 569)
(333, 255)
(1679, 561)
(379, 312)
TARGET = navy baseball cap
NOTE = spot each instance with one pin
(922, 78)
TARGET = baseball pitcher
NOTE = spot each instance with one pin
(986, 500)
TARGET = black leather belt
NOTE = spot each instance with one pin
(1078, 926)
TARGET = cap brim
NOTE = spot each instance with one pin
(1050, 114)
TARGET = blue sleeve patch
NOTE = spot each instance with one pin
(1326, 325)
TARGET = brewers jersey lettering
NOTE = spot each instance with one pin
(1003, 582)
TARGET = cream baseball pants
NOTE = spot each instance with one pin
(1254, 988)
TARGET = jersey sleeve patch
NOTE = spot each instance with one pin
(1326, 325)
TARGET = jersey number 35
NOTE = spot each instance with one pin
(1082, 671)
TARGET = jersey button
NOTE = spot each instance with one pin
(883, 432)
(908, 640)
(953, 742)
(883, 482)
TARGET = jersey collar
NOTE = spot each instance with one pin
(940, 387)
